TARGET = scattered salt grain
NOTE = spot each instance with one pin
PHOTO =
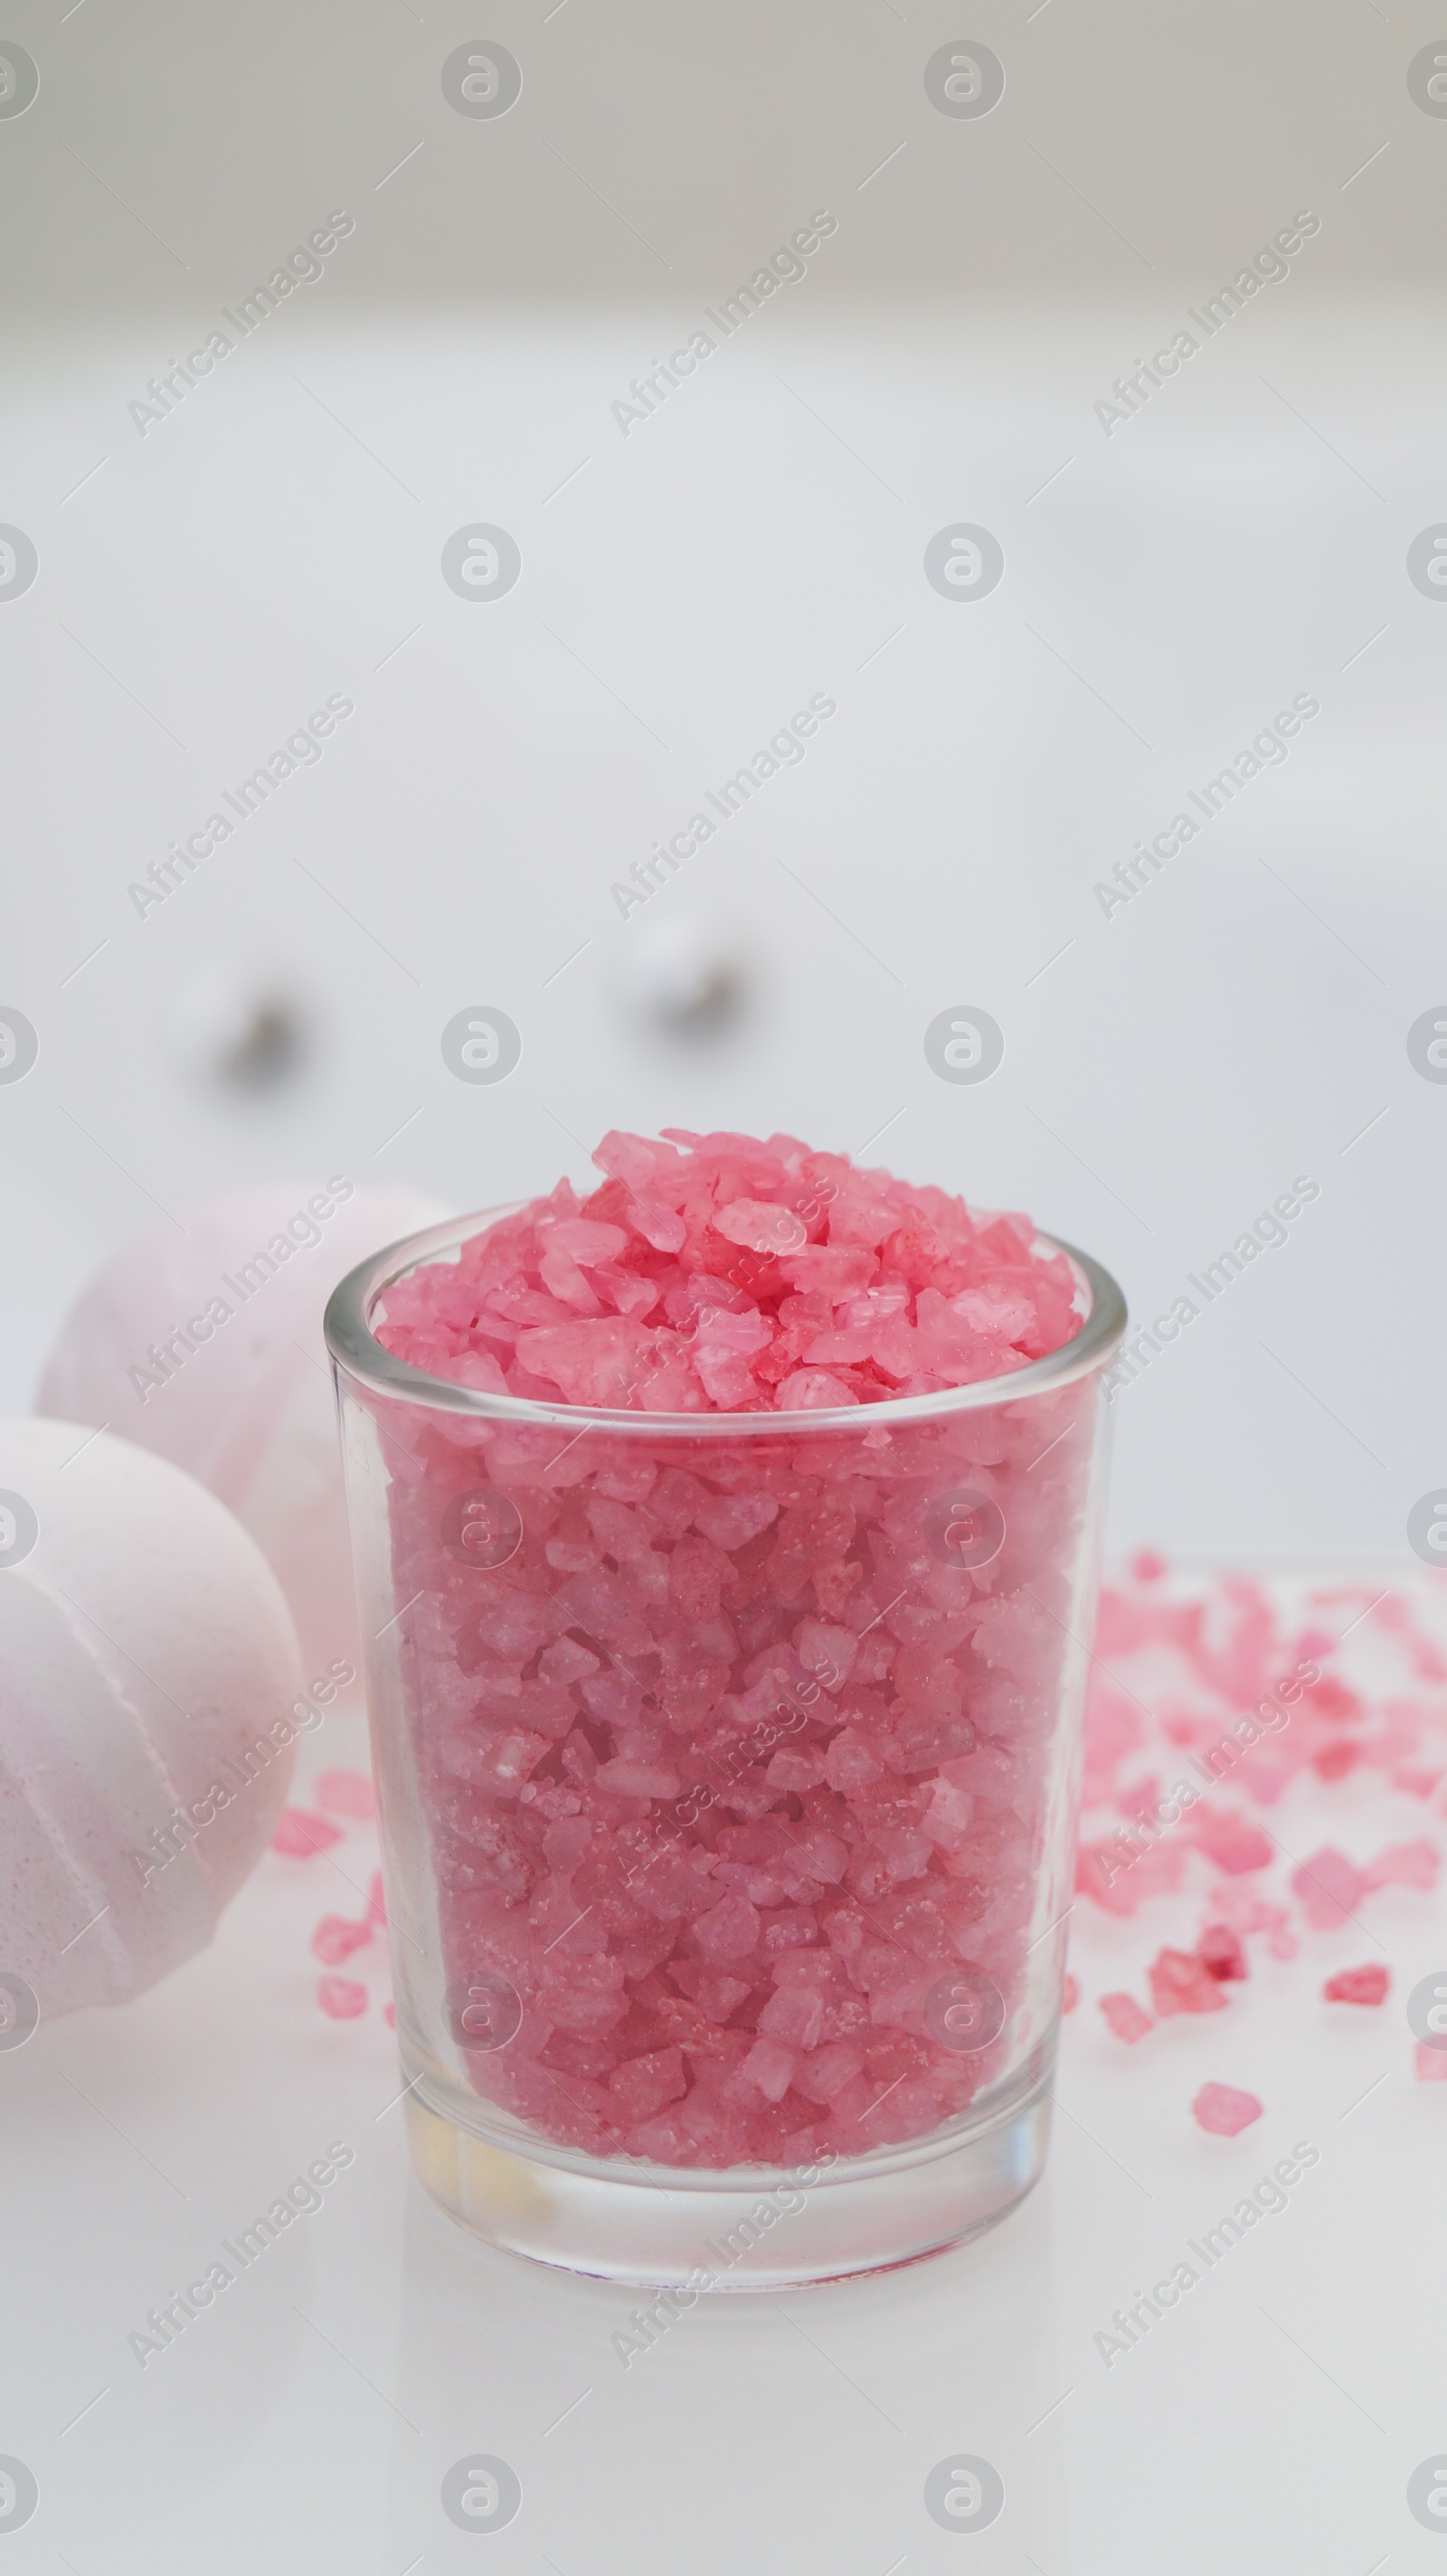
(346, 1793)
(300, 1835)
(1367, 1985)
(1125, 2017)
(341, 1998)
(1181, 1983)
(1223, 2111)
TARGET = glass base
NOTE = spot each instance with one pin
(771, 2228)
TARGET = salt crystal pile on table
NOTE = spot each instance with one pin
(304, 1835)
(726, 1765)
(732, 1275)
(1220, 1709)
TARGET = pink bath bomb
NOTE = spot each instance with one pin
(206, 1346)
(147, 1666)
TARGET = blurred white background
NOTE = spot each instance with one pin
(208, 577)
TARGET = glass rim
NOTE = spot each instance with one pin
(354, 1348)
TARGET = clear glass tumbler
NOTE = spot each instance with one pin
(728, 1770)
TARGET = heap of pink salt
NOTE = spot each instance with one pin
(732, 1756)
(1204, 1709)
(719, 1273)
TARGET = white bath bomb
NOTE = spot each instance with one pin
(148, 1667)
(206, 1346)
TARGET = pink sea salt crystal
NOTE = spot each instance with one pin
(1335, 1760)
(1247, 1912)
(300, 1835)
(761, 1226)
(637, 1779)
(1069, 1994)
(1367, 1985)
(826, 1651)
(795, 2014)
(376, 1902)
(1223, 2111)
(1430, 2063)
(642, 2085)
(800, 1767)
(657, 1223)
(346, 1793)
(770, 2066)
(566, 1662)
(1181, 1983)
(1419, 1779)
(828, 2071)
(335, 1938)
(1229, 1839)
(729, 1521)
(949, 1818)
(814, 1389)
(1328, 1889)
(1404, 1865)
(1125, 2017)
(341, 1998)
(1220, 1950)
(729, 1930)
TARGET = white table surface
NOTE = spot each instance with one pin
(305, 2422)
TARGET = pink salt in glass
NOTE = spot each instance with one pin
(727, 1759)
